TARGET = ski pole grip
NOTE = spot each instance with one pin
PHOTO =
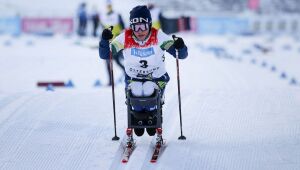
(174, 37)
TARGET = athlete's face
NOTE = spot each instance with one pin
(140, 31)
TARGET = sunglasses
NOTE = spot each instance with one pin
(141, 26)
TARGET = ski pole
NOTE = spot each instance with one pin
(113, 89)
(181, 137)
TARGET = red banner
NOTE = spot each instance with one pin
(253, 4)
(47, 25)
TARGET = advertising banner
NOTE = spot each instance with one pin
(47, 25)
(10, 25)
(253, 4)
(222, 25)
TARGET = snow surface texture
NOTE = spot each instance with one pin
(239, 112)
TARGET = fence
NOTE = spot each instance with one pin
(243, 24)
(250, 24)
(283, 24)
(222, 25)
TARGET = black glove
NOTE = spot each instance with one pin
(107, 34)
(179, 43)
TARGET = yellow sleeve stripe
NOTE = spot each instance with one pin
(167, 44)
(116, 47)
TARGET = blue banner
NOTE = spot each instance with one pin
(222, 25)
(10, 25)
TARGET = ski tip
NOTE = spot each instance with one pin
(153, 161)
(124, 161)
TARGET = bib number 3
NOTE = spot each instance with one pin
(144, 63)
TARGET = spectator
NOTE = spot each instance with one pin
(95, 20)
(156, 16)
(82, 19)
(112, 18)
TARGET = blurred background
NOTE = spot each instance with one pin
(207, 16)
(45, 30)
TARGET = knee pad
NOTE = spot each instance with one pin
(136, 88)
(149, 87)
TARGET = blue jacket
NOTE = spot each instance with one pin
(104, 53)
(104, 50)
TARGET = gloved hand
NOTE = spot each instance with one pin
(107, 34)
(179, 43)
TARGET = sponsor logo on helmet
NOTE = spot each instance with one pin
(139, 20)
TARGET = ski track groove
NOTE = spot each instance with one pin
(195, 133)
(8, 132)
(168, 119)
(116, 163)
(147, 164)
(25, 131)
(141, 151)
(85, 153)
(213, 132)
(41, 156)
(7, 100)
(229, 139)
(46, 159)
(75, 150)
(15, 106)
(171, 119)
(142, 143)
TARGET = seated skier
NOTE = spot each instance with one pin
(143, 49)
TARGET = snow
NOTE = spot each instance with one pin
(236, 114)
